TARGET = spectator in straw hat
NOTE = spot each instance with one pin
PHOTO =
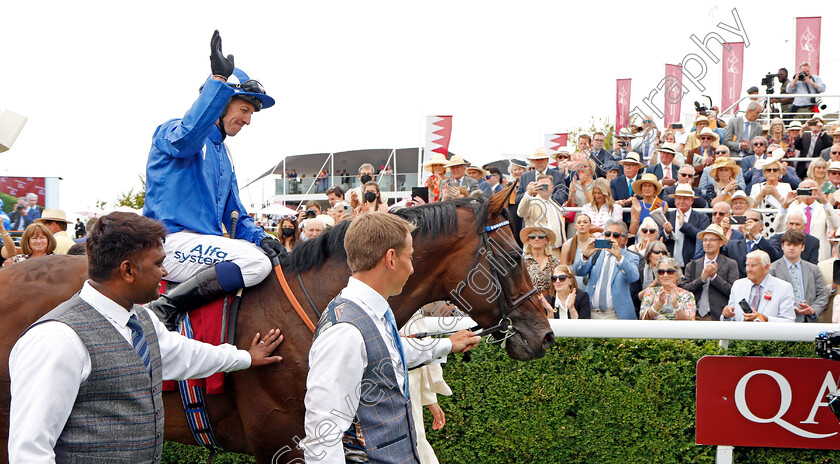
(478, 174)
(437, 167)
(648, 189)
(563, 158)
(710, 277)
(666, 170)
(704, 154)
(457, 168)
(693, 140)
(724, 173)
(56, 220)
(833, 183)
(684, 176)
(682, 225)
(622, 186)
(540, 160)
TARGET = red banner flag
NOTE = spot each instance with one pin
(733, 74)
(555, 141)
(673, 93)
(808, 43)
(438, 133)
(622, 104)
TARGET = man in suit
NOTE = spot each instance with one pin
(769, 298)
(738, 249)
(611, 272)
(457, 167)
(737, 127)
(622, 186)
(692, 141)
(666, 170)
(599, 155)
(682, 225)
(540, 161)
(476, 173)
(809, 291)
(811, 144)
(685, 175)
(494, 180)
(710, 277)
(796, 220)
(820, 216)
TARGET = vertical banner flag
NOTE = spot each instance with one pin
(807, 43)
(733, 73)
(622, 104)
(438, 133)
(673, 93)
(555, 141)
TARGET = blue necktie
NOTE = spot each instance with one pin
(138, 340)
(395, 334)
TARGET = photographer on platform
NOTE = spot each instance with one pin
(805, 83)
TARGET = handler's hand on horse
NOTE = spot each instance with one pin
(261, 349)
(219, 64)
(271, 246)
(463, 341)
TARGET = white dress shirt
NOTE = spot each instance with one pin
(49, 363)
(337, 361)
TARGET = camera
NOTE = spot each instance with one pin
(826, 347)
(19, 208)
(767, 82)
(310, 214)
(802, 76)
(701, 109)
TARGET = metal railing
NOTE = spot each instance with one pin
(831, 101)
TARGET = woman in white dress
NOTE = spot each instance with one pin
(602, 207)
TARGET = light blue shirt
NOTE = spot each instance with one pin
(803, 88)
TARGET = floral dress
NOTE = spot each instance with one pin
(433, 184)
(685, 302)
(541, 278)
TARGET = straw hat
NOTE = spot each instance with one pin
(701, 118)
(743, 196)
(836, 132)
(647, 178)
(550, 236)
(476, 168)
(707, 131)
(438, 159)
(633, 158)
(456, 161)
(724, 162)
(834, 166)
(713, 229)
(683, 190)
(539, 153)
(53, 214)
(668, 148)
(562, 150)
(626, 133)
(795, 125)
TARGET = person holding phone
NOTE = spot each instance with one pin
(769, 298)
(664, 300)
(611, 271)
(820, 216)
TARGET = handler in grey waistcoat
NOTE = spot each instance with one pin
(86, 377)
(357, 349)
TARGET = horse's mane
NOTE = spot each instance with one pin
(432, 220)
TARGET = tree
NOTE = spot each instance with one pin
(602, 124)
(134, 199)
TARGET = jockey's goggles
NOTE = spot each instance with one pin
(250, 86)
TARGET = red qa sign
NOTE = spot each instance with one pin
(768, 402)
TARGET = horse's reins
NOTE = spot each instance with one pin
(281, 278)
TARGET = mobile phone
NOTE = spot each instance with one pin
(677, 125)
(738, 220)
(804, 192)
(543, 187)
(603, 243)
(837, 272)
(422, 192)
(745, 307)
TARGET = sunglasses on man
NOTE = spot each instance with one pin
(613, 234)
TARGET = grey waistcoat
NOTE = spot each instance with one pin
(118, 414)
(384, 428)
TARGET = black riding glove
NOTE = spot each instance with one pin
(271, 246)
(220, 65)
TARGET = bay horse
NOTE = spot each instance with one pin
(460, 247)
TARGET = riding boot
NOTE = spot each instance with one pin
(190, 294)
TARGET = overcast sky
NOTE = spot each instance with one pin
(97, 78)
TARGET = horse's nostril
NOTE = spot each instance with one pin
(548, 340)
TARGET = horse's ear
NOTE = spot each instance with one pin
(499, 200)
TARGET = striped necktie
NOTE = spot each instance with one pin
(138, 340)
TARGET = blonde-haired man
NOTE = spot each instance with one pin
(356, 388)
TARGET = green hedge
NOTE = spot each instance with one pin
(588, 400)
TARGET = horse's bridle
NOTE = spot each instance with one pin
(505, 325)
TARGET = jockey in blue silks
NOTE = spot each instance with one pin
(191, 188)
